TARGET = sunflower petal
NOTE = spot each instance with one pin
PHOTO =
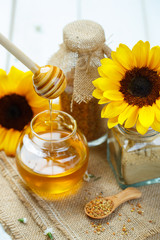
(158, 71)
(107, 61)
(158, 102)
(112, 122)
(2, 136)
(3, 88)
(3, 73)
(103, 111)
(157, 111)
(146, 116)
(111, 63)
(141, 129)
(106, 84)
(113, 109)
(132, 117)
(26, 80)
(9, 140)
(97, 93)
(11, 145)
(14, 76)
(124, 115)
(3, 82)
(36, 101)
(103, 100)
(154, 58)
(113, 95)
(111, 71)
(141, 52)
(123, 56)
(156, 125)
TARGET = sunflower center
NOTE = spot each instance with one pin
(140, 86)
(15, 112)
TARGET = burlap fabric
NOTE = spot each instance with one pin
(83, 47)
(65, 214)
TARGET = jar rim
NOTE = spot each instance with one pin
(134, 133)
(55, 140)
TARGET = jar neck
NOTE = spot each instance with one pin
(54, 127)
(133, 134)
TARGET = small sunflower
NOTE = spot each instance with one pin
(18, 104)
(130, 85)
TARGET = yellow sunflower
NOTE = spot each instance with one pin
(18, 105)
(130, 85)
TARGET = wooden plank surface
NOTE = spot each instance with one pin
(38, 27)
(39, 23)
(5, 14)
(122, 20)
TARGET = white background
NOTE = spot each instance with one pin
(36, 26)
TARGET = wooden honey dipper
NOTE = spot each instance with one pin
(48, 81)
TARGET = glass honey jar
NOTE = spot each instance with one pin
(52, 155)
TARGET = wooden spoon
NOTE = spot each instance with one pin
(102, 207)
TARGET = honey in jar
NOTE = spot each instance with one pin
(52, 155)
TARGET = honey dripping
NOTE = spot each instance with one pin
(41, 168)
(63, 157)
(51, 127)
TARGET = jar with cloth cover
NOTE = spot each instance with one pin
(79, 57)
